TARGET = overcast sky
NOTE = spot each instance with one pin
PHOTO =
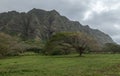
(99, 14)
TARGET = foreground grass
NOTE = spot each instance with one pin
(72, 65)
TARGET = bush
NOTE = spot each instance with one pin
(34, 46)
(34, 49)
(56, 48)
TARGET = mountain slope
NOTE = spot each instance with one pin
(42, 24)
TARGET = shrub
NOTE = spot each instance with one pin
(34, 49)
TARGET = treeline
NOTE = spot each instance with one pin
(12, 46)
(62, 43)
(111, 48)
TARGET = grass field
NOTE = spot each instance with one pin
(72, 65)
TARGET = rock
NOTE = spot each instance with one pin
(42, 24)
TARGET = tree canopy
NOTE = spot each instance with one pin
(64, 42)
(10, 45)
(111, 47)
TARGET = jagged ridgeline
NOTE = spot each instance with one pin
(42, 24)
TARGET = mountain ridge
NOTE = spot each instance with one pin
(38, 23)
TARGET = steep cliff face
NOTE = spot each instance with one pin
(41, 24)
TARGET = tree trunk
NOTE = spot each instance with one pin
(80, 52)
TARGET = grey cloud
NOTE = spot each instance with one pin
(106, 22)
(74, 10)
(69, 8)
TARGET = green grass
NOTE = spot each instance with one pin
(72, 65)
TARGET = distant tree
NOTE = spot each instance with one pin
(111, 47)
(81, 42)
(5, 43)
(67, 40)
(35, 45)
(10, 45)
(56, 45)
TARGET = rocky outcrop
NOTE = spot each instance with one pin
(42, 24)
